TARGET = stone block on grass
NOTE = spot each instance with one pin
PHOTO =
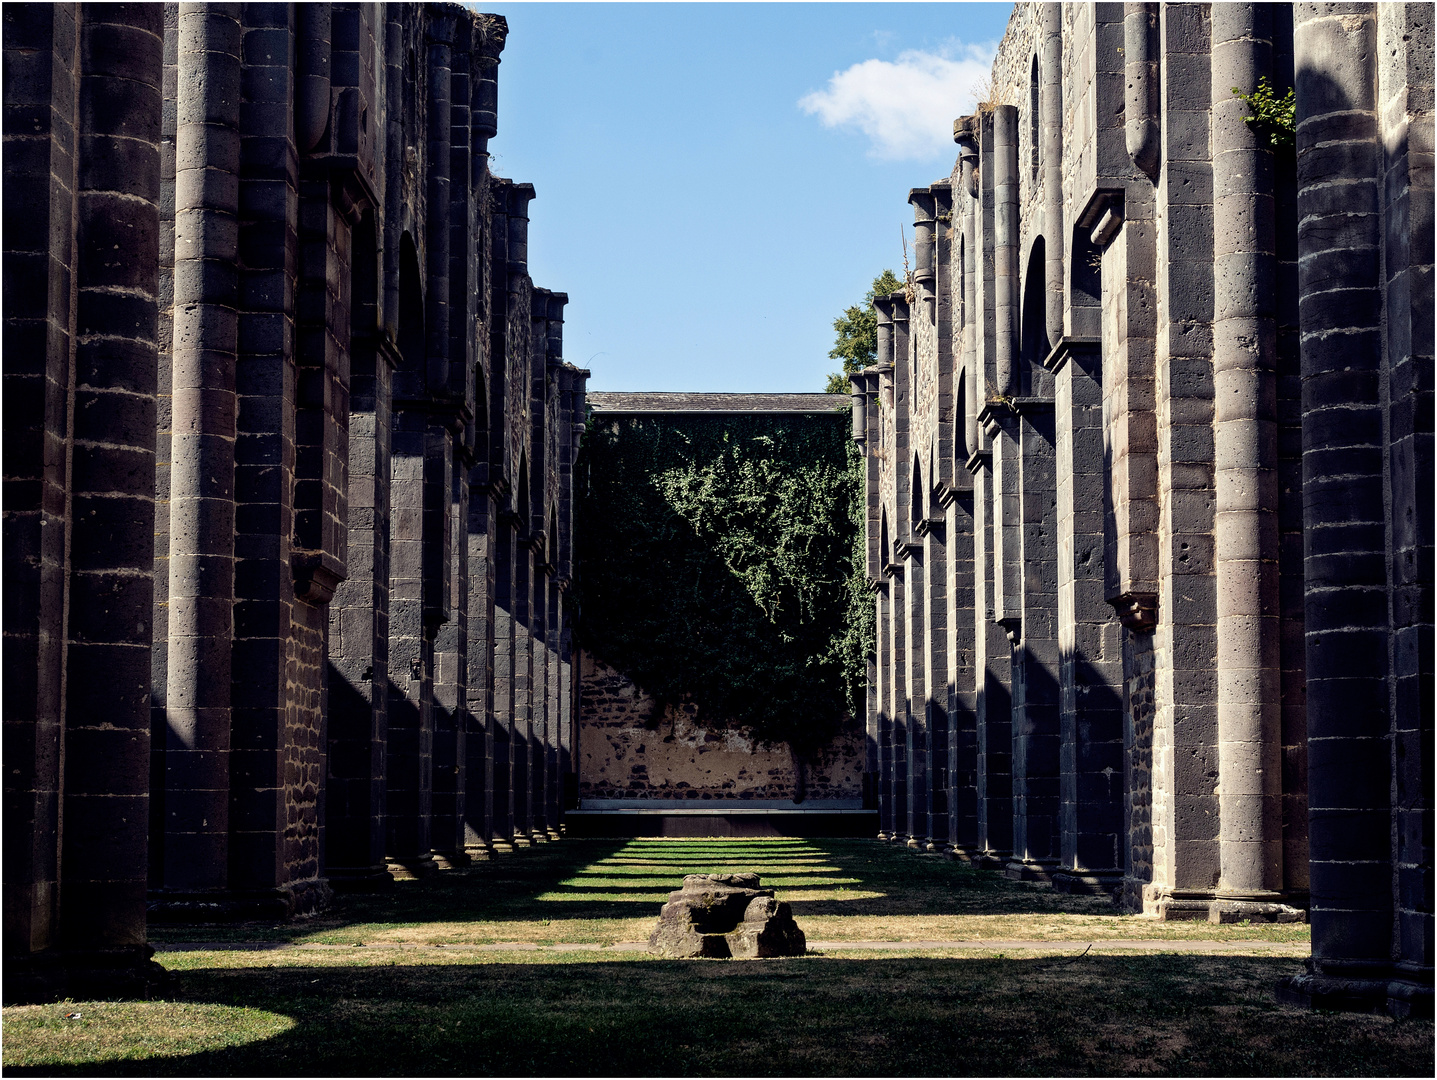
(725, 915)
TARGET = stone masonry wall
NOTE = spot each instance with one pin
(626, 752)
(297, 424)
(1182, 381)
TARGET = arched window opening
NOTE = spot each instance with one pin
(1034, 133)
(1035, 343)
(411, 306)
(915, 496)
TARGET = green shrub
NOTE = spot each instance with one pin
(721, 562)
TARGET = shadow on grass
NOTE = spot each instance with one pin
(1159, 1015)
(623, 879)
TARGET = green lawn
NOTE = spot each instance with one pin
(608, 891)
(598, 1011)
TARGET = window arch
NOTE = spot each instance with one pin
(1034, 113)
(915, 494)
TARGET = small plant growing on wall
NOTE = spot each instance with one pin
(1273, 118)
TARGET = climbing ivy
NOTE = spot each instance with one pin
(1273, 118)
(721, 563)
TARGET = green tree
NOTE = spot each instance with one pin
(857, 329)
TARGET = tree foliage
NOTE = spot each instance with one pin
(857, 329)
(721, 562)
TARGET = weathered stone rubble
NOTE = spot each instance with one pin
(725, 915)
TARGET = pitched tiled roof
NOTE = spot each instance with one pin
(658, 402)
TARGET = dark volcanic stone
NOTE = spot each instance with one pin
(725, 915)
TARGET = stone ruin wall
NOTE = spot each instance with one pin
(625, 752)
(1160, 429)
(290, 591)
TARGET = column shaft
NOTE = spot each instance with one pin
(202, 470)
(1245, 448)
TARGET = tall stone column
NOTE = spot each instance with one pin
(1090, 670)
(451, 699)
(41, 127)
(479, 745)
(409, 768)
(1055, 223)
(521, 747)
(1034, 637)
(82, 131)
(202, 469)
(962, 526)
(915, 580)
(359, 613)
(505, 719)
(1245, 445)
(935, 673)
(1347, 229)
(992, 651)
(884, 597)
(866, 435)
(903, 641)
(1405, 88)
(959, 526)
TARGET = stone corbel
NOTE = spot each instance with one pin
(994, 413)
(1072, 347)
(927, 527)
(317, 574)
(1103, 214)
(1138, 611)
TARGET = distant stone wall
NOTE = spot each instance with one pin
(626, 752)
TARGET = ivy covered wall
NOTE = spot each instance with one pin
(720, 570)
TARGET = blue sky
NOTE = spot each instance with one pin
(717, 182)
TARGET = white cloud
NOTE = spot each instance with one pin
(906, 107)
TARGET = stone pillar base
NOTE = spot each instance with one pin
(961, 854)
(360, 879)
(1187, 905)
(1368, 989)
(481, 852)
(451, 860)
(413, 869)
(1030, 869)
(107, 974)
(240, 905)
(501, 847)
(992, 860)
(1088, 882)
(522, 840)
(555, 834)
(1222, 911)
